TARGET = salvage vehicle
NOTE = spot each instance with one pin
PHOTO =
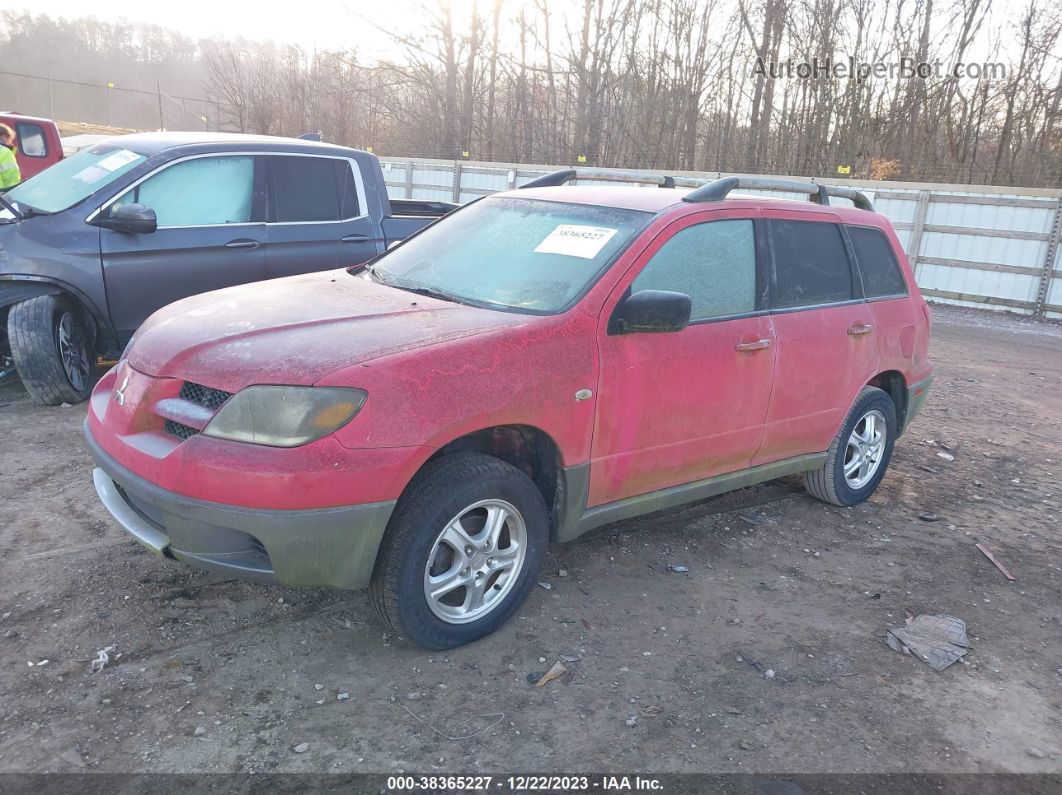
(535, 365)
(99, 241)
(37, 142)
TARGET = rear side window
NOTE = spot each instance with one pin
(31, 140)
(810, 265)
(713, 263)
(877, 263)
(304, 189)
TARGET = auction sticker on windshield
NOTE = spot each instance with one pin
(118, 159)
(575, 240)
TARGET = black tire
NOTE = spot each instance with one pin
(33, 331)
(829, 483)
(440, 492)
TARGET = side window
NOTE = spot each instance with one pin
(348, 189)
(714, 263)
(811, 264)
(304, 189)
(877, 263)
(204, 191)
(31, 140)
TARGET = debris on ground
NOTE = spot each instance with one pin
(103, 656)
(677, 568)
(996, 563)
(926, 516)
(652, 711)
(936, 640)
(301, 748)
(632, 720)
(946, 456)
(545, 585)
(557, 670)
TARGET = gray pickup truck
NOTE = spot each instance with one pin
(92, 246)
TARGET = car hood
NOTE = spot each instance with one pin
(297, 330)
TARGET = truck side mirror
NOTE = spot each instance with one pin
(131, 218)
(651, 311)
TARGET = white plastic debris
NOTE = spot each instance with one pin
(103, 656)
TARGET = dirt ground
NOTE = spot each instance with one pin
(209, 674)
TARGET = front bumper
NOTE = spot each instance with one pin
(325, 547)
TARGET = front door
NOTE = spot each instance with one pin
(317, 215)
(209, 236)
(825, 336)
(682, 406)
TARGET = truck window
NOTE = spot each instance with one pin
(877, 263)
(203, 191)
(31, 140)
(348, 189)
(811, 265)
(304, 189)
(713, 263)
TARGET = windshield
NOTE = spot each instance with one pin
(74, 179)
(525, 254)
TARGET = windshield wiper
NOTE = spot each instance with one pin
(419, 289)
(11, 208)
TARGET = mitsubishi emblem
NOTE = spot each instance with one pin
(119, 393)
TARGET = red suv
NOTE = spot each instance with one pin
(537, 364)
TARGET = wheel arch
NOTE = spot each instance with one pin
(893, 383)
(526, 447)
(22, 288)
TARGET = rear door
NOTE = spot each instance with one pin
(824, 332)
(210, 212)
(682, 406)
(317, 215)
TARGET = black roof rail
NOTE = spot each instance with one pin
(717, 190)
(569, 174)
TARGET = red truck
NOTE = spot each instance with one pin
(39, 145)
(537, 364)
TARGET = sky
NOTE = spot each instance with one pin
(321, 25)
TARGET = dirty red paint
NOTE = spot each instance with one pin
(666, 408)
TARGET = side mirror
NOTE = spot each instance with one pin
(651, 311)
(131, 218)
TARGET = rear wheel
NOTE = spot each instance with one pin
(462, 551)
(51, 345)
(860, 453)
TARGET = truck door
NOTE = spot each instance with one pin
(210, 235)
(317, 215)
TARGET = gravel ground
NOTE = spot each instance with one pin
(666, 672)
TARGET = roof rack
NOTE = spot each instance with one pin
(570, 174)
(716, 190)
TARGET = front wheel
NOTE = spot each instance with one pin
(52, 347)
(860, 453)
(462, 551)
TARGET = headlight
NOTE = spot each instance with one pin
(284, 416)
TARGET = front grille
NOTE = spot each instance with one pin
(204, 395)
(179, 430)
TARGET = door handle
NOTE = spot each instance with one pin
(242, 244)
(862, 328)
(355, 239)
(754, 345)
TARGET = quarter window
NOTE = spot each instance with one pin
(877, 263)
(713, 263)
(31, 140)
(204, 191)
(811, 265)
